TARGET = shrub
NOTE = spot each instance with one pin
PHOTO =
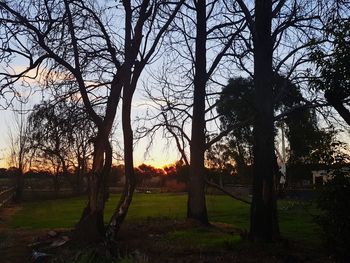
(334, 203)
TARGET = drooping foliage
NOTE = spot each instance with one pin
(61, 132)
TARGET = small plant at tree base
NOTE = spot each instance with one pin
(334, 203)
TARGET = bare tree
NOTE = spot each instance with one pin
(78, 42)
(19, 147)
(281, 33)
(278, 41)
(198, 47)
(151, 21)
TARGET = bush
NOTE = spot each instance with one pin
(334, 203)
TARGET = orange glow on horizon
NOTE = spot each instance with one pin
(3, 164)
(155, 164)
(159, 164)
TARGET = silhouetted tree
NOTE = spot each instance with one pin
(19, 148)
(146, 172)
(280, 34)
(188, 86)
(332, 62)
(62, 132)
(75, 43)
(235, 107)
(308, 143)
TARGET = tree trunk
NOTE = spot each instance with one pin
(19, 185)
(264, 224)
(76, 184)
(130, 180)
(196, 206)
(81, 172)
(56, 184)
(78, 175)
(91, 227)
(65, 173)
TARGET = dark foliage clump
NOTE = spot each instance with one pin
(334, 203)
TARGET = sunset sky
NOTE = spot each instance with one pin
(159, 155)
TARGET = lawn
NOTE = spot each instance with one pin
(296, 222)
(64, 213)
(156, 230)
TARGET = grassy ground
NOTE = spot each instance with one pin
(296, 220)
(155, 231)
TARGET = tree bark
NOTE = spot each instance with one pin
(91, 227)
(130, 180)
(196, 206)
(264, 224)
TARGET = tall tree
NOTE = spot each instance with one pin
(281, 32)
(264, 222)
(75, 43)
(198, 46)
(145, 28)
(196, 207)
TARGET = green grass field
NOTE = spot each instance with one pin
(295, 223)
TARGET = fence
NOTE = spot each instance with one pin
(6, 196)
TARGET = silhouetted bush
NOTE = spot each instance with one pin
(334, 203)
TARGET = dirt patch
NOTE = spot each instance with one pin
(13, 243)
(150, 241)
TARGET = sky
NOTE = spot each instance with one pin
(160, 154)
